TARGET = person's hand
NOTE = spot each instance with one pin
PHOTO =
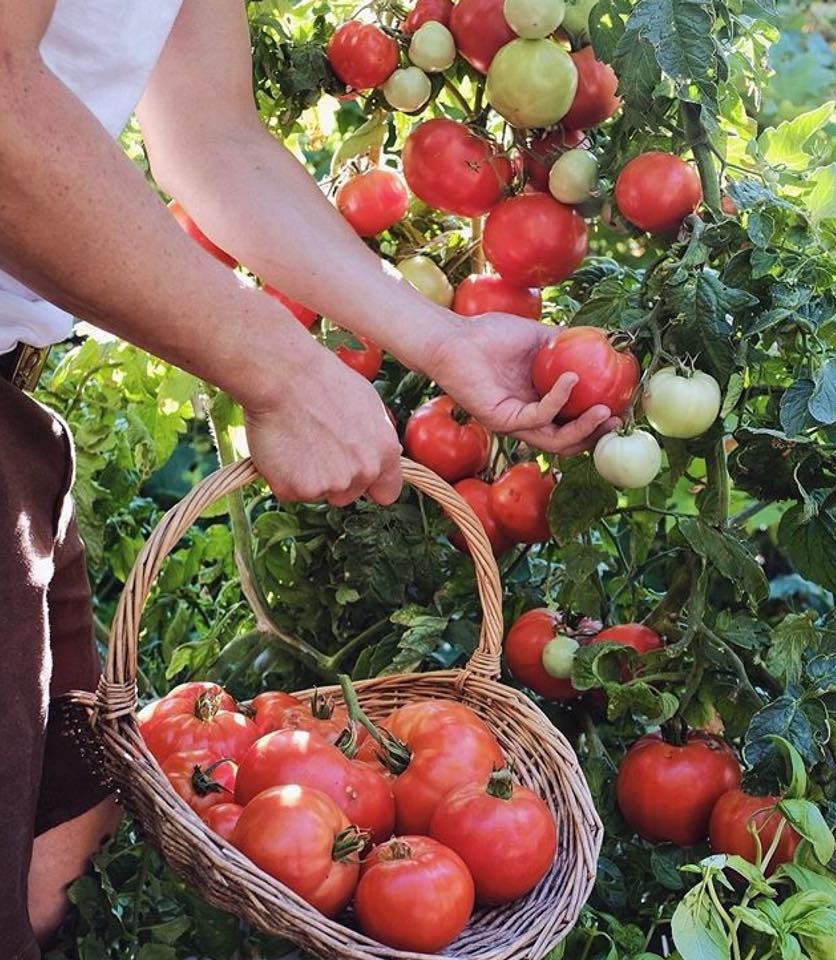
(326, 436)
(484, 364)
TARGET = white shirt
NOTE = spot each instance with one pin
(104, 51)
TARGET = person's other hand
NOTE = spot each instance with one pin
(484, 364)
(325, 436)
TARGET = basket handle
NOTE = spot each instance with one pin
(119, 682)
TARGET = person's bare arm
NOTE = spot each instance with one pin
(79, 225)
(209, 149)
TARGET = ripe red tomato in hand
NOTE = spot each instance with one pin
(305, 316)
(641, 638)
(656, 191)
(595, 100)
(480, 30)
(362, 55)
(414, 894)
(449, 167)
(200, 778)
(367, 361)
(373, 201)
(194, 231)
(733, 815)
(528, 637)
(223, 818)
(303, 839)
(477, 493)
(504, 833)
(519, 501)
(449, 441)
(607, 376)
(426, 10)
(542, 152)
(532, 240)
(489, 293)
(360, 790)
(179, 701)
(267, 710)
(667, 792)
(204, 727)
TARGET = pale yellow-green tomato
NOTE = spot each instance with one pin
(534, 19)
(432, 47)
(407, 89)
(427, 278)
(576, 18)
(628, 460)
(681, 406)
(559, 655)
(573, 176)
(532, 83)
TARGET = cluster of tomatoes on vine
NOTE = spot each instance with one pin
(415, 821)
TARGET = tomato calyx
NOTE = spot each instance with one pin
(202, 781)
(460, 415)
(395, 849)
(675, 732)
(349, 843)
(394, 754)
(207, 705)
(322, 707)
(501, 784)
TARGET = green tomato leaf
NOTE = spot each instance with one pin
(728, 555)
(698, 931)
(579, 500)
(809, 822)
(795, 767)
(810, 544)
(794, 411)
(784, 717)
(821, 673)
(367, 137)
(794, 636)
(782, 146)
(822, 403)
(820, 198)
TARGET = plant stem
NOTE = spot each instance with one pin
(663, 618)
(740, 519)
(332, 661)
(701, 148)
(735, 945)
(477, 259)
(456, 94)
(716, 463)
(743, 678)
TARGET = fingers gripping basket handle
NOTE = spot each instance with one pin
(118, 683)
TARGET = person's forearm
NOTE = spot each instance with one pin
(257, 201)
(79, 225)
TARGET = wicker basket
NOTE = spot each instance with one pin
(543, 760)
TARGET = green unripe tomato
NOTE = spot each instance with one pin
(534, 19)
(576, 18)
(427, 278)
(681, 406)
(559, 655)
(407, 89)
(532, 83)
(629, 460)
(573, 176)
(432, 47)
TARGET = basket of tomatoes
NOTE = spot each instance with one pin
(402, 816)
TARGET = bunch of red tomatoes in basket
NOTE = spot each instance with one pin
(413, 821)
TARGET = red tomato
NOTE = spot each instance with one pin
(607, 376)
(532, 240)
(205, 727)
(543, 151)
(641, 638)
(490, 293)
(268, 709)
(477, 493)
(666, 792)
(303, 839)
(595, 100)
(425, 10)
(656, 191)
(479, 28)
(362, 55)
(449, 441)
(194, 231)
(735, 813)
(524, 646)
(223, 818)
(424, 716)
(359, 789)
(305, 316)
(367, 362)
(373, 201)
(728, 206)
(449, 167)
(200, 778)
(414, 894)
(520, 501)
(181, 700)
(504, 833)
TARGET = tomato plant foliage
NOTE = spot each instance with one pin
(729, 554)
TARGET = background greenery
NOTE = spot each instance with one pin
(732, 551)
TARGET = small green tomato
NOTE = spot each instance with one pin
(573, 176)
(427, 278)
(532, 83)
(681, 406)
(407, 89)
(432, 47)
(534, 19)
(628, 460)
(559, 655)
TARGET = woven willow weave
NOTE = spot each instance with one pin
(543, 760)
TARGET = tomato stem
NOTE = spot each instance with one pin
(501, 784)
(477, 259)
(700, 144)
